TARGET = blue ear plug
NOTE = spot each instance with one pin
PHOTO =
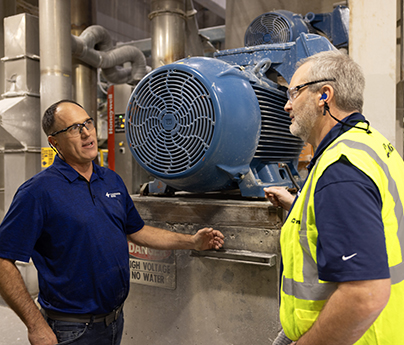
(323, 96)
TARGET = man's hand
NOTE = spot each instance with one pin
(15, 293)
(42, 335)
(207, 238)
(279, 197)
(157, 238)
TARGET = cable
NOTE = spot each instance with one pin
(327, 109)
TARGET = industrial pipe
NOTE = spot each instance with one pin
(107, 57)
(194, 41)
(84, 76)
(168, 18)
(55, 53)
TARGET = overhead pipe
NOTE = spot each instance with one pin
(84, 75)
(168, 23)
(107, 57)
(194, 44)
(55, 54)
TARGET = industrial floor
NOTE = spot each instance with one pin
(12, 330)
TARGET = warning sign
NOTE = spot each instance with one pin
(152, 267)
(47, 157)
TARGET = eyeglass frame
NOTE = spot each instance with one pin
(295, 90)
(81, 125)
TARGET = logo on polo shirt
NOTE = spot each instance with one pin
(345, 258)
(112, 195)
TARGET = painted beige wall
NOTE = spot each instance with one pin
(373, 44)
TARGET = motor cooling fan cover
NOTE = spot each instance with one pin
(192, 122)
(275, 27)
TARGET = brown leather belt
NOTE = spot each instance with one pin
(84, 318)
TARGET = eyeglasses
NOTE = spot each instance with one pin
(76, 129)
(293, 92)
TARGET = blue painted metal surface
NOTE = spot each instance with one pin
(208, 124)
(334, 24)
(275, 27)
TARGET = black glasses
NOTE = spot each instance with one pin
(77, 128)
(294, 91)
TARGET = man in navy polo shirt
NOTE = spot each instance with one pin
(74, 219)
(343, 240)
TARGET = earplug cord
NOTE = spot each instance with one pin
(327, 109)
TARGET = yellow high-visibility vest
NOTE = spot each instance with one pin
(303, 294)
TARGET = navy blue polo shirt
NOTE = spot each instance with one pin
(75, 231)
(351, 242)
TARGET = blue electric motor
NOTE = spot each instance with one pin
(211, 124)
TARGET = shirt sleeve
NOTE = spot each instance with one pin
(351, 242)
(21, 227)
(134, 221)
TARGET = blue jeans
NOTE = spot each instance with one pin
(92, 333)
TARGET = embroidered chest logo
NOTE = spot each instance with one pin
(112, 195)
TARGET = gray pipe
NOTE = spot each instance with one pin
(108, 58)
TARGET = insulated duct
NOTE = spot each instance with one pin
(20, 107)
(107, 57)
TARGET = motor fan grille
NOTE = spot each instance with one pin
(276, 143)
(269, 28)
(170, 121)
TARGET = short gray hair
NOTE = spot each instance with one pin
(349, 81)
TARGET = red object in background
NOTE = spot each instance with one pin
(111, 128)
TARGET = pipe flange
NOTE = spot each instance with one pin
(178, 12)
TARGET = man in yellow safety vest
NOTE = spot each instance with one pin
(343, 240)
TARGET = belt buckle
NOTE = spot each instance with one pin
(116, 313)
(113, 316)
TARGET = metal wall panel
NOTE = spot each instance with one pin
(215, 301)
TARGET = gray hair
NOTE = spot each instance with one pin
(349, 81)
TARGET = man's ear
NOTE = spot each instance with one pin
(327, 93)
(52, 141)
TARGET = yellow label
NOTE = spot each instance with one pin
(47, 157)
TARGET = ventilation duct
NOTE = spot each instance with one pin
(108, 58)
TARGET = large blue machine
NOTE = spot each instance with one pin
(212, 124)
(283, 26)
